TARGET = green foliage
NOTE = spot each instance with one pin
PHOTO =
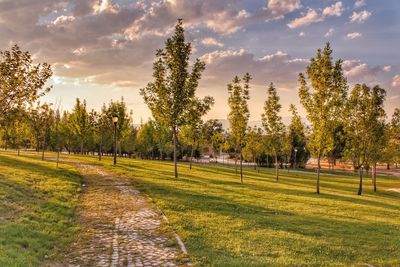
(171, 96)
(21, 81)
(366, 124)
(254, 144)
(296, 139)
(324, 104)
(273, 126)
(239, 110)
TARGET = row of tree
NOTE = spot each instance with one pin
(343, 124)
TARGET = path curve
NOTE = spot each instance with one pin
(119, 227)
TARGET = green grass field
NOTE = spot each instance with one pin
(267, 223)
(37, 203)
(222, 222)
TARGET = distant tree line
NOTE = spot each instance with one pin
(346, 125)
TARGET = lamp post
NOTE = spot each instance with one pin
(115, 121)
(295, 154)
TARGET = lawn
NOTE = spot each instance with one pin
(37, 203)
(267, 223)
(222, 222)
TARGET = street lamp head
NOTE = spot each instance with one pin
(115, 119)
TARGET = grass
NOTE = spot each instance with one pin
(37, 203)
(222, 222)
(267, 223)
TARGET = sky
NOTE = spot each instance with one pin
(104, 49)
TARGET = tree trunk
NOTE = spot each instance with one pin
(318, 170)
(18, 151)
(81, 147)
(276, 167)
(58, 156)
(236, 169)
(255, 164)
(241, 167)
(191, 156)
(100, 147)
(43, 154)
(374, 176)
(360, 185)
(175, 163)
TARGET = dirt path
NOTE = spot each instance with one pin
(119, 227)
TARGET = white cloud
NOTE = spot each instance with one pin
(396, 80)
(63, 20)
(312, 15)
(387, 68)
(359, 3)
(211, 42)
(279, 66)
(301, 34)
(277, 9)
(329, 33)
(353, 35)
(334, 10)
(210, 58)
(360, 17)
(104, 6)
(357, 71)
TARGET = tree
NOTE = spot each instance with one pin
(365, 127)
(79, 123)
(119, 109)
(391, 152)
(325, 103)
(212, 135)
(21, 81)
(171, 95)
(254, 145)
(273, 125)
(297, 139)
(41, 119)
(239, 114)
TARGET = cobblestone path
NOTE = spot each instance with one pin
(119, 227)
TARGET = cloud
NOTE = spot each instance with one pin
(396, 80)
(310, 17)
(313, 16)
(333, 10)
(387, 68)
(277, 9)
(360, 17)
(329, 33)
(278, 67)
(359, 3)
(211, 42)
(63, 20)
(104, 6)
(358, 72)
(353, 35)
(219, 16)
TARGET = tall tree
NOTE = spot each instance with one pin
(272, 123)
(171, 95)
(391, 153)
(21, 81)
(239, 114)
(254, 145)
(365, 127)
(79, 123)
(325, 103)
(297, 139)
